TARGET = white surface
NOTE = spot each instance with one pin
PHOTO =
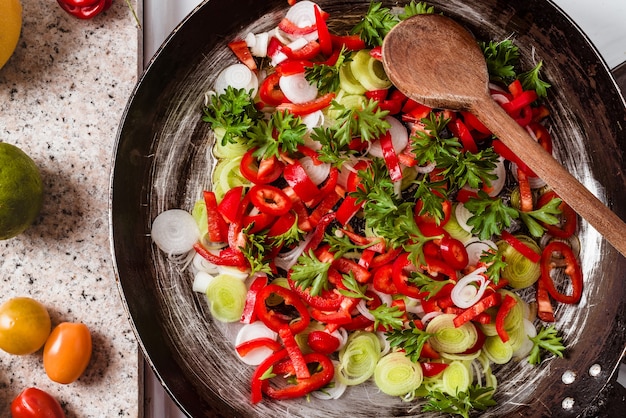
(603, 21)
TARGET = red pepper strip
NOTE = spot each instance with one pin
(257, 383)
(291, 67)
(229, 207)
(274, 320)
(327, 301)
(323, 34)
(507, 304)
(295, 354)
(324, 373)
(249, 315)
(291, 28)
(245, 348)
(473, 122)
(572, 270)
(297, 177)
(377, 53)
(270, 92)
(376, 244)
(307, 52)
(311, 153)
(320, 230)
(544, 306)
(429, 352)
(390, 157)
(242, 52)
(366, 258)
(385, 258)
(568, 217)
(346, 266)
(525, 193)
(515, 88)
(217, 228)
(324, 207)
(348, 208)
(226, 257)
(518, 103)
(432, 369)
(260, 172)
(400, 277)
(459, 130)
(520, 247)
(383, 280)
(350, 42)
(505, 152)
(300, 109)
(435, 267)
(378, 95)
(323, 342)
(479, 307)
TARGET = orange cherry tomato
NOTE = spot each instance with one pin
(67, 352)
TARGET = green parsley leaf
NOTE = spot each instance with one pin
(412, 9)
(326, 77)
(530, 81)
(292, 236)
(411, 339)
(429, 145)
(475, 397)
(353, 289)
(431, 195)
(548, 214)
(546, 339)
(331, 151)
(390, 317)
(232, 112)
(283, 132)
(469, 168)
(427, 284)
(255, 251)
(375, 25)
(310, 272)
(489, 215)
(368, 122)
(502, 58)
(494, 260)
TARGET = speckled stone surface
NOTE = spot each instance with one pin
(62, 95)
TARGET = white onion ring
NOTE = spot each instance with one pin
(317, 173)
(498, 184)
(362, 308)
(250, 332)
(175, 231)
(297, 88)
(460, 295)
(313, 120)
(462, 215)
(475, 249)
(527, 345)
(287, 260)
(237, 76)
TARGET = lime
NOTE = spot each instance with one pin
(21, 191)
(10, 28)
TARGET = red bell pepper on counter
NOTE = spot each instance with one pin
(84, 9)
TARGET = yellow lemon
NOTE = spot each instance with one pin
(10, 28)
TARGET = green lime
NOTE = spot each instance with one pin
(21, 191)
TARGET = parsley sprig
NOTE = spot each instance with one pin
(390, 317)
(546, 339)
(283, 132)
(475, 397)
(413, 8)
(502, 59)
(490, 215)
(376, 24)
(410, 339)
(232, 112)
(311, 273)
(326, 77)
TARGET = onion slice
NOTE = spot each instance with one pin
(251, 332)
(237, 76)
(465, 293)
(297, 88)
(175, 231)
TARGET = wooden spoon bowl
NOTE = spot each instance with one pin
(437, 62)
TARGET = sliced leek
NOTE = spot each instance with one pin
(498, 351)
(227, 297)
(397, 375)
(368, 71)
(456, 378)
(358, 359)
(520, 271)
(449, 339)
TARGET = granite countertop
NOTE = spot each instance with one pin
(62, 95)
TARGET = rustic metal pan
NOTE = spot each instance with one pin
(162, 161)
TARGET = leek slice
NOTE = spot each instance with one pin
(229, 149)
(498, 351)
(447, 338)
(200, 216)
(456, 378)
(456, 230)
(358, 359)
(369, 71)
(348, 83)
(227, 174)
(520, 271)
(227, 296)
(397, 375)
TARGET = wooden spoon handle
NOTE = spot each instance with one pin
(569, 189)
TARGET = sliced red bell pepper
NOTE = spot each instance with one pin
(296, 176)
(270, 92)
(492, 299)
(324, 373)
(229, 207)
(323, 34)
(454, 253)
(218, 230)
(569, 218)
(350, 42)
(226, 257)
(282, 224)
(390, 157)
(521, 247)
(464, 135)
(258, 383)
(275, 320)
(269, 199)
(291, 67)
(386, 257)
(430, 369)
(258, 222)
(320, 230)
(326, 301)
(376, 244)
(249, 315)
(377, 53)
(525, 192)
(327, 203)
(506, 153)
(572, 270)
(291, 28)
(400, 275)
(245, 348)
(323, 342)
(473, 122)
(242, 52)
(295, 354)
(300, 109)
(348, 208)
(347, 266)
(544, 305)
(507, 304)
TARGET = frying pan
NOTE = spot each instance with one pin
(163, 161)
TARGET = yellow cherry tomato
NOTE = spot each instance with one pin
(24, 325)
(67, 352)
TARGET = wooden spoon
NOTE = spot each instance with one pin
(436, 62)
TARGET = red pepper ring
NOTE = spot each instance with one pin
(324, 373)
(258, 383)
(507, 304)
(572, 270)
(269, 199)
(276, 321)
(245, 348)
(327, 301)
(400, 275)
(86, 11)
